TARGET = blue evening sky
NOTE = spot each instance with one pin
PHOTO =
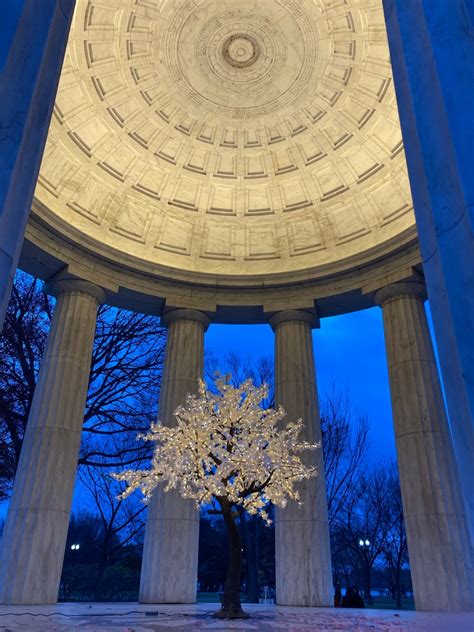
(349, 353)
(10, 11)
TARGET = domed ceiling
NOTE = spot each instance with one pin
(227, 137)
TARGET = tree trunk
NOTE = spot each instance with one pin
(398, 589)
(231, 607)
(368, 587)
(253, 584)
(249, 532)
(103, 563)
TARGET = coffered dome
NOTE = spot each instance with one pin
(227, 138)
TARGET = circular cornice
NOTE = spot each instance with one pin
(47, 254)
(73, 239)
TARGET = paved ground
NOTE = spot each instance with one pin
(131, 617)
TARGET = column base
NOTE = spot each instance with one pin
(304, 577)
(32, 557)
(170, 555)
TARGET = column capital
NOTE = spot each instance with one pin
(185, 314)
(294, 315)
(64, 285)
(395, 291)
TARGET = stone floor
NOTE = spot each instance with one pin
(131, 617)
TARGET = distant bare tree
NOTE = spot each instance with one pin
(259, 370)
(395, 548)
(124, 379)
(21, 348)
(345, 443)
(364, 523)
(122, 521)
(124, 386)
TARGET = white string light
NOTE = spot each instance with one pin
(225, 445)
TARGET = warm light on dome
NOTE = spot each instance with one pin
(227, 140)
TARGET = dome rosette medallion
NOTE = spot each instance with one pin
(227, 138)
(242, 50)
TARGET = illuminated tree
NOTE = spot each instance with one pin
(226, 452)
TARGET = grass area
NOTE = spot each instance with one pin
(385, 603)
(208, 597)
(380, 603)
(213, 597)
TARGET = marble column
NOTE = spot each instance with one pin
(170, 553)
(440, 550)
(34, 538)
(36, 34)
(303, 553)
(432, 53)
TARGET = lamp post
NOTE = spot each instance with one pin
(364, 546)
(75, 547)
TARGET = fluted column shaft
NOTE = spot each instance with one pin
(303, 554)
(432, 58)
(34, 538)
(30, 70)
(439, 546)
(170, 553)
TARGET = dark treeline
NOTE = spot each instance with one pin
(364, 499)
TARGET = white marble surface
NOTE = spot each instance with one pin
(170, 554)
(34, 538)
(440, 549)
(432, 54)
(28, 87)
(303, 555)
(120, 617)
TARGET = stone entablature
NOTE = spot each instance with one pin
(337, 290)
